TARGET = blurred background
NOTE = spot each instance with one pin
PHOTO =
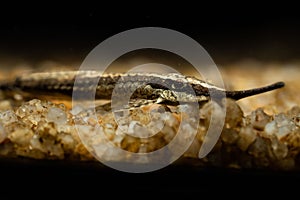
(66, 34)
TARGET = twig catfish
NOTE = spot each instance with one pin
(167, 88)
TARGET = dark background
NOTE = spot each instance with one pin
(67, 33)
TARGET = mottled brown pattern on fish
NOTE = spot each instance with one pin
(167, 87)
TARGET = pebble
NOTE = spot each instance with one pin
(281, 126)
(259, 119)
(2, 133)
(246, 137)
(57, 116)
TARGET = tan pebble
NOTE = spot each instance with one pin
(234, 114)
(247, 137)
